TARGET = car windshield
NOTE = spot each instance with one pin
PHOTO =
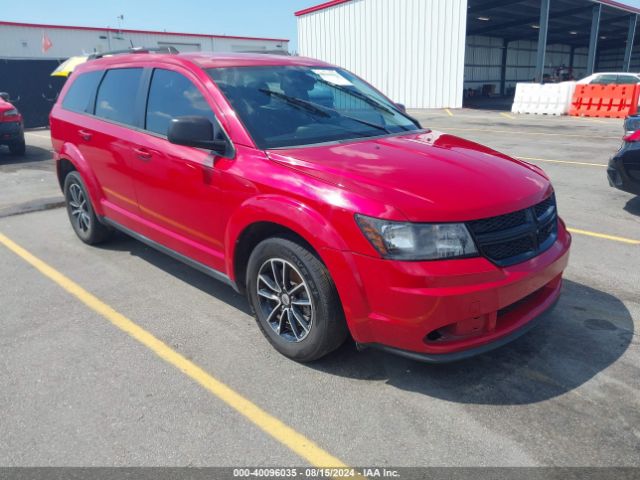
(286, 106)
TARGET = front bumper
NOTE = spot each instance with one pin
(473, 351)
(11, 132)
(448, 310)
(623, 171)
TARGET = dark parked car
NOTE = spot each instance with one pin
(624, 167)
(11, 126)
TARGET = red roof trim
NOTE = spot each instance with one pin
(620, 5)
(322, 6)
(124, 30)
(332, 3)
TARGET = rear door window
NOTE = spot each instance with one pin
(79, 97)
(118, 94)
(173, 95)
(604, 80)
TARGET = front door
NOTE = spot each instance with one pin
(178, 187)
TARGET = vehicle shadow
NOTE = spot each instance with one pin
(633, 206)
(189, 275)
(33, 154)
(587, 332)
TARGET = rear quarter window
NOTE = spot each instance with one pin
(80, 94)
(627, 79)
(118, 94)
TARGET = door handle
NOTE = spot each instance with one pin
(143, 153)
(85, 135)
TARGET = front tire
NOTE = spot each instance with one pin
(81, 213)
(295, 300)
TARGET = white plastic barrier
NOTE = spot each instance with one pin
(547, 99)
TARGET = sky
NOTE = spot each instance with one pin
(255, 18)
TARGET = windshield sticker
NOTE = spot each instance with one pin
(333, 76)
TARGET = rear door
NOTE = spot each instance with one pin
(102, 135)
(177, 187)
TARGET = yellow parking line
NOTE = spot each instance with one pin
(520, 132)
(506, 115)
(269, 424)
(630, 241)
(449, 112)
(562, 161)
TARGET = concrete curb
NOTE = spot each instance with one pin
(31, 206)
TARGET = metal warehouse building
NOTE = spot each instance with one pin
(435, 53)
(25, 63)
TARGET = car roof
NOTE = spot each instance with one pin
(203, 60)
(614, 73)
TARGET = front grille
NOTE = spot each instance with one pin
(518, 236)
(503, 222)
(506, 250)
(544, 206)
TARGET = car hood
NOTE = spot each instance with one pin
(428, 176)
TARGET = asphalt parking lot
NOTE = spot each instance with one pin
(82, 387)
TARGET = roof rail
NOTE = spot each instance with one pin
(167, 49)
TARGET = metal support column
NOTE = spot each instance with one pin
(593, 39)
(503, 67)
(631, 35)
(572, 57)
(542, 39)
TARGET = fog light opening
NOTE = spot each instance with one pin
(433, 336)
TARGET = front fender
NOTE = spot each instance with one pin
(316, 230)
(71, 153)
(287, 212)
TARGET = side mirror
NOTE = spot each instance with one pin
(401, 107)
(4, 96)
(195, 131)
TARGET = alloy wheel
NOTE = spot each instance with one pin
(285, 299)
(79, 208)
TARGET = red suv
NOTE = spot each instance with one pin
(298, 183)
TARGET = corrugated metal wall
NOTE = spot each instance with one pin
(26, 42)
(412, 50)
(613, 60)
(483, 59)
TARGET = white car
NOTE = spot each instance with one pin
(608, 78)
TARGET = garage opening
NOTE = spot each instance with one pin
(543, 41)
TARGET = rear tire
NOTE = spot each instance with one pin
(18, 148)
(81, 212)
(294, 300)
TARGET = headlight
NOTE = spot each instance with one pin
(11, 113)
(417, 241)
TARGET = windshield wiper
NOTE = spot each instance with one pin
(298, 102)
(321, 109)
(357, 94)
(371, 101)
